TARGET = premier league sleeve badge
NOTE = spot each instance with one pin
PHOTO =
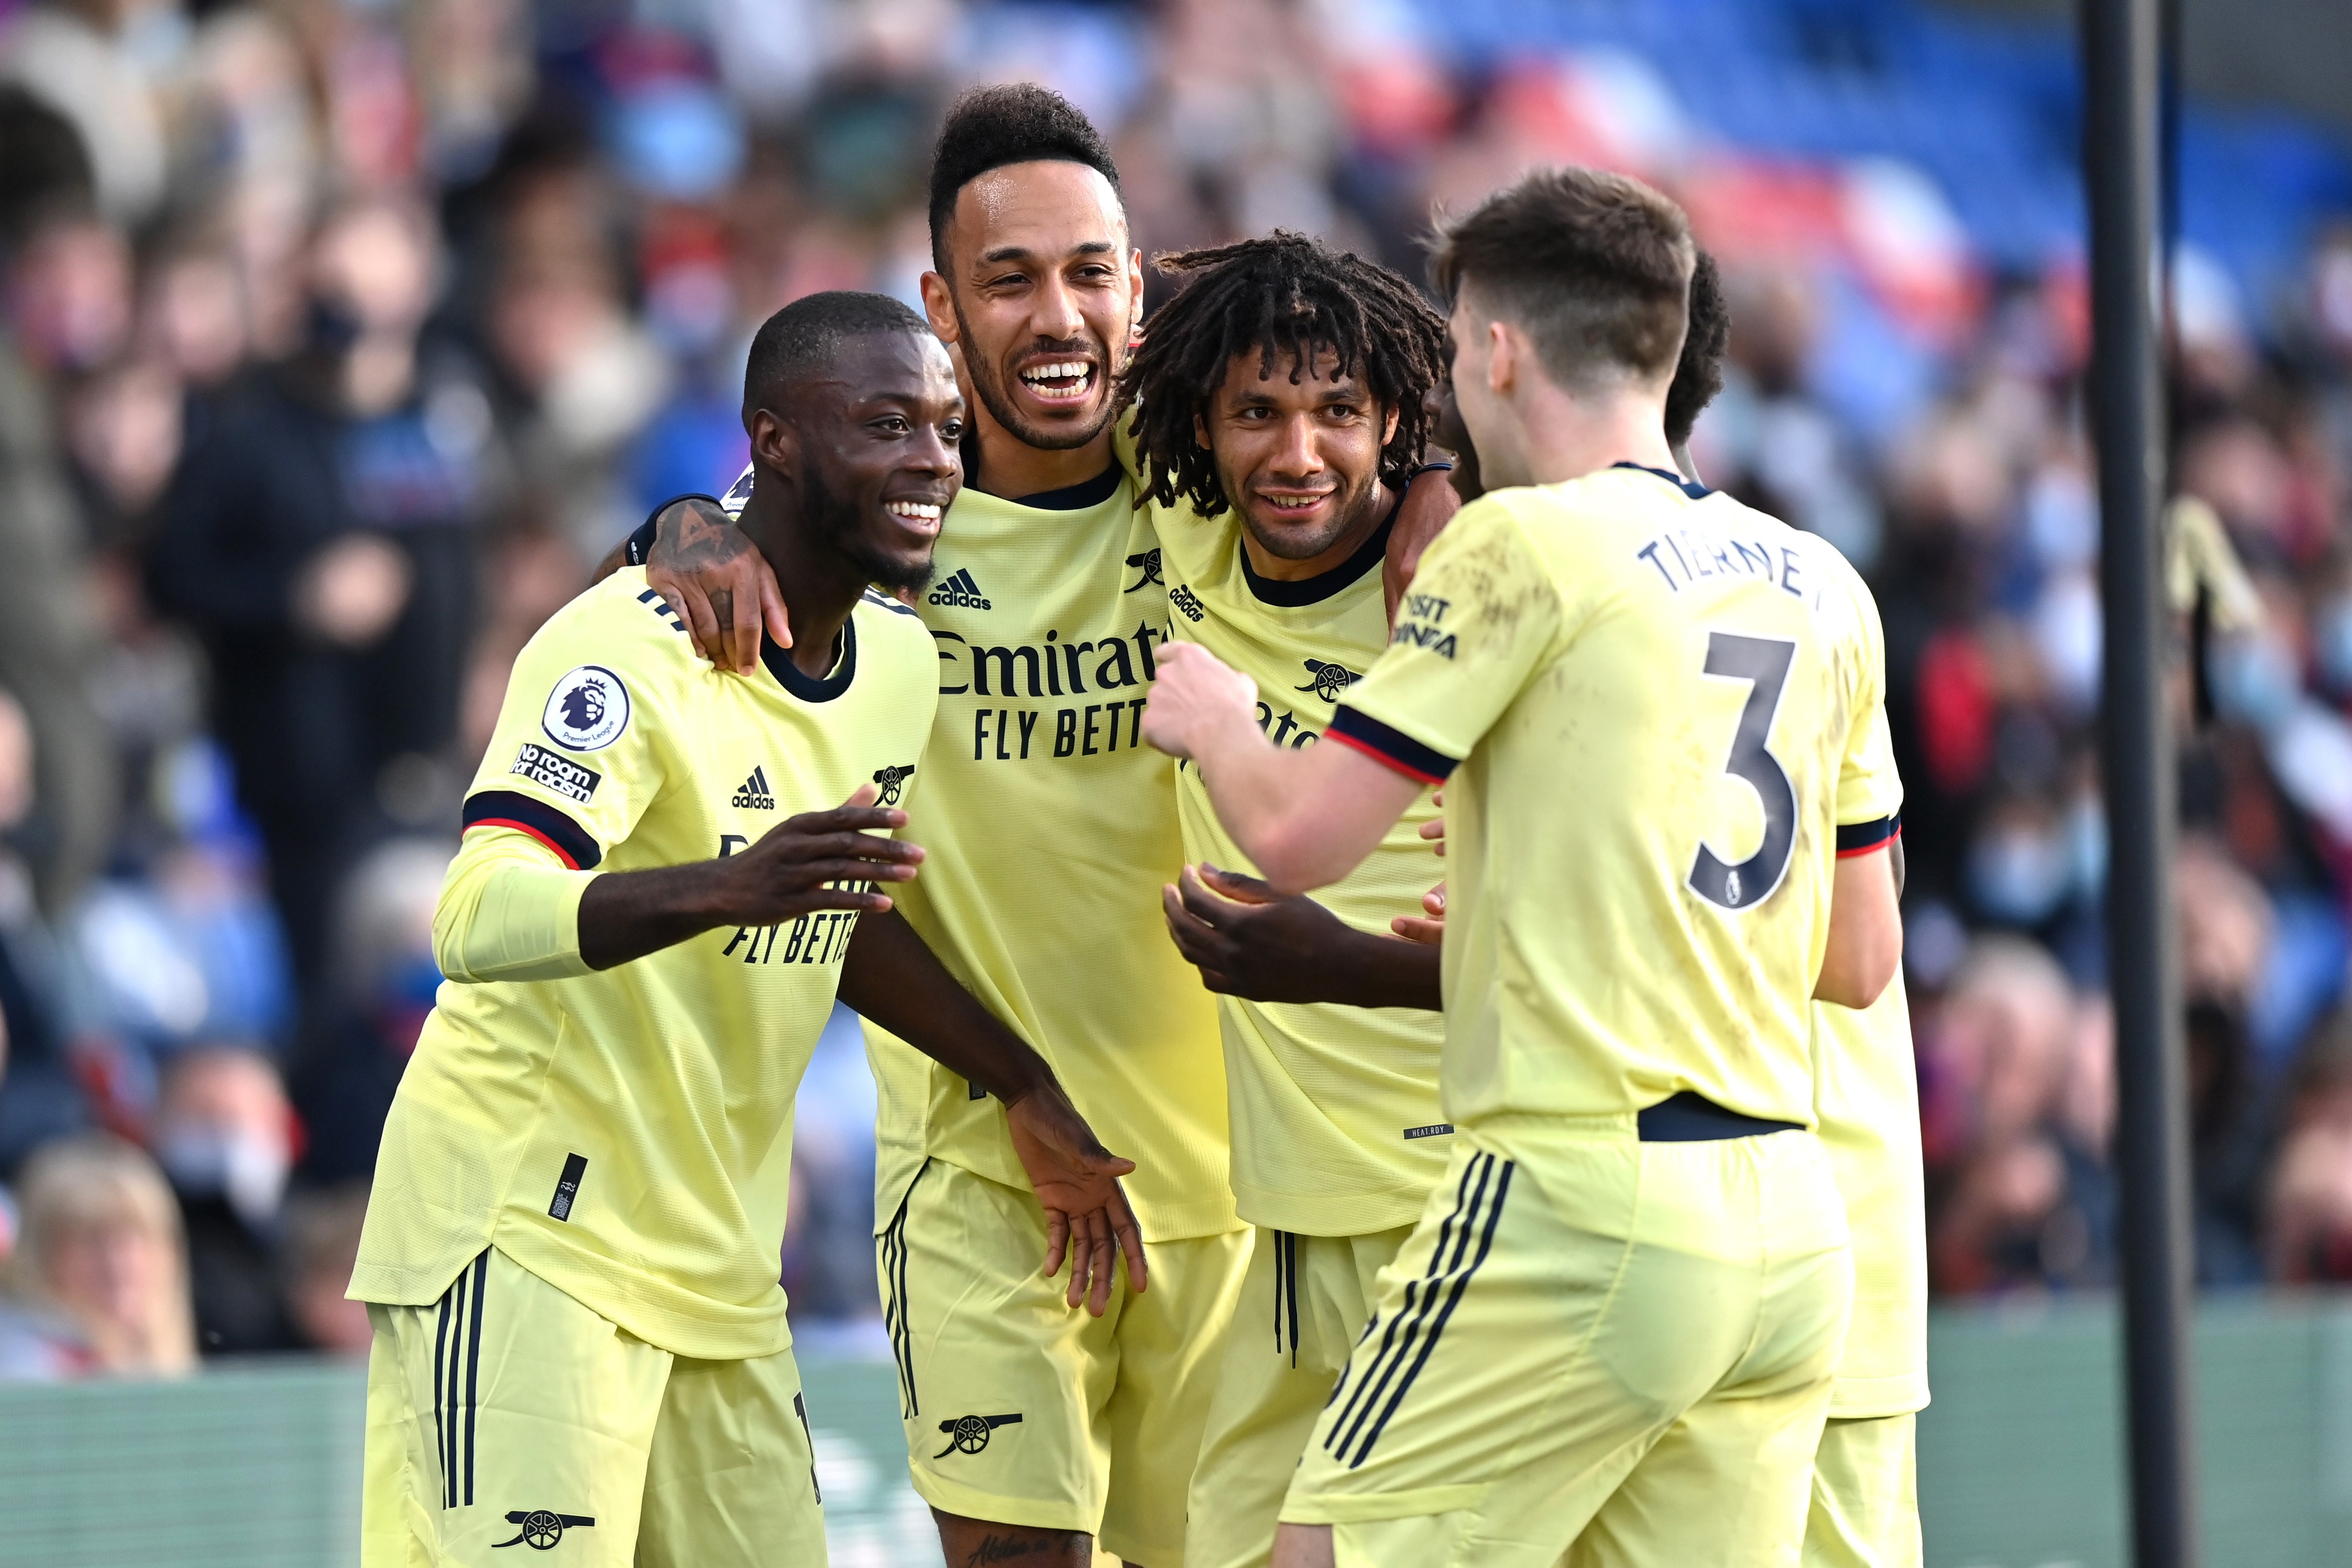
(587, 711)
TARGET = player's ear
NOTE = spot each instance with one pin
(1387, 425)
(1502, 361)
(939, 306)
(1200, 429)
(775, 445)
(1134, 298)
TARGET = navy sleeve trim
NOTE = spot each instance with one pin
(640, 545)
(505, 808)
(1400, 751)
(1862, 837)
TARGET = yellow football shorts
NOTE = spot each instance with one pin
(1865, 1511)
(509, 1415)
(1585, 1333)
(1304, 1304)
(1021, 1409)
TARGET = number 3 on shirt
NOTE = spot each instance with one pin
(1763, 663)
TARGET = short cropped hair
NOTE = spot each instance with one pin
(804, 337)
(1698, 374)
(1286, 298)
(1594, 266)
(1018, 123)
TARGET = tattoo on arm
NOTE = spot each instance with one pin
(1004, 1547)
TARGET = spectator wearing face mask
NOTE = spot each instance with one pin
(223, 1133)
(102, 1253)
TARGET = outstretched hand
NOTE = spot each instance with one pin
(836, 859)
(1088, 1220)
(718, 583)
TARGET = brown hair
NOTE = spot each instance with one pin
(1594, 266)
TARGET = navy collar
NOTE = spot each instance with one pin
(1696, 492)
(815, 687)
(1290, 593)
(1078, 497)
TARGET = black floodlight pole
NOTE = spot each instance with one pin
(2120, 117)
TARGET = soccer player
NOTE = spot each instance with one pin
(1280, 415)
(569, 1254)
(1614, 1327)
(1865, 1501)
(1865, 1509)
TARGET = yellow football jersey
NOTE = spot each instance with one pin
(1051, 828)
(1666, 711)
(1335, 1119)
(627, 1135)
(1867, 1093)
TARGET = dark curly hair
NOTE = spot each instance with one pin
(1285, 295)
(1698, 374)
(1018, 123)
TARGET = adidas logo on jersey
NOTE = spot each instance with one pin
(961, 592)
(754, 795)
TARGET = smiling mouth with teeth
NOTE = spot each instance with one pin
(1295, 503)
(1059, 380)
(912, 510)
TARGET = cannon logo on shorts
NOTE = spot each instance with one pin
(892, 780)
(969, 1434)
(542, 1527)
(1327, 680)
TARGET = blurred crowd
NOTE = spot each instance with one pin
(340, 337)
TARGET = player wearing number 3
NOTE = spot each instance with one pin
(1660, 715)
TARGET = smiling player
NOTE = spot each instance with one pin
(1281, 396)
(570, 1251)
(1628, 1293)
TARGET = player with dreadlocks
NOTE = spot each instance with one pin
(1279, 415)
